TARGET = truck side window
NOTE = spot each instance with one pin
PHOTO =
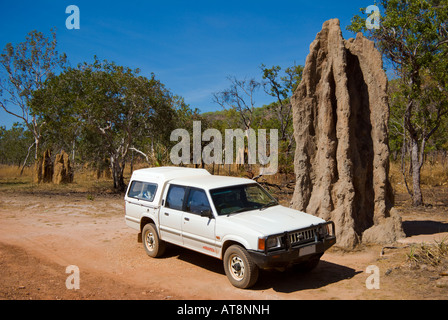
(135, 189)
(197, 201)
(143, 191)
(149, 191)
(175, 197)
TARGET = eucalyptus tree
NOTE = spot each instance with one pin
(239, 97)
(24, 68)
(14, 144)
(282, 88)
(107, 110)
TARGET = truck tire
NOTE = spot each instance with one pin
(154, 246)
(240, 269)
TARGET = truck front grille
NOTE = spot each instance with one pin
(303, 236)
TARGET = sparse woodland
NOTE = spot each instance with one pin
(111, 119)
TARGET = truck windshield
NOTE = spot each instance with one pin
(236, 199)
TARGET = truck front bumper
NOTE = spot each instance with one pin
(292, 254)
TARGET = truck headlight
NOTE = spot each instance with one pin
(274, 243)
(270, 243)
(324, 230)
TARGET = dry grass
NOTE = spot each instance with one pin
(85, 181)
(434, 183)
(435, 254)
(434, 177)
(12, 172)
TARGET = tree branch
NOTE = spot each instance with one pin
(140, 152)
(12, 113)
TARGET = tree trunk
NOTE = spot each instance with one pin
(37, 145)
(26, 158)
(117, 174)
(417, 198)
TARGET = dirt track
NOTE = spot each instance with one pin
(40, 235)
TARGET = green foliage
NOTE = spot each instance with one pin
(413, 36)
(397, 102)
(282, 88)
(279, 87)
(28, 65)
(14, 144)
(24, 69)
(105, 110)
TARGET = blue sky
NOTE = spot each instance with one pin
(191, 46)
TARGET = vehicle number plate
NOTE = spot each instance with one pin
(307, 250)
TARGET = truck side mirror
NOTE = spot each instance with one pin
(206, 213)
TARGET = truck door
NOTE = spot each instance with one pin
(170, 216)
(198, 223)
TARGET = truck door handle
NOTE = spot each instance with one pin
(167, 214)
(187, 219)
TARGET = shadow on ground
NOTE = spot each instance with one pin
(291, 281)
(281, 281)
(422, 227)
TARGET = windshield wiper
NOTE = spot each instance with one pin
(269, 204)
(265, 206)
(238, 211)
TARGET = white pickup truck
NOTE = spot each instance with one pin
(232, 219)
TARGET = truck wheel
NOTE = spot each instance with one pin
(153, 245)
(240, 269)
